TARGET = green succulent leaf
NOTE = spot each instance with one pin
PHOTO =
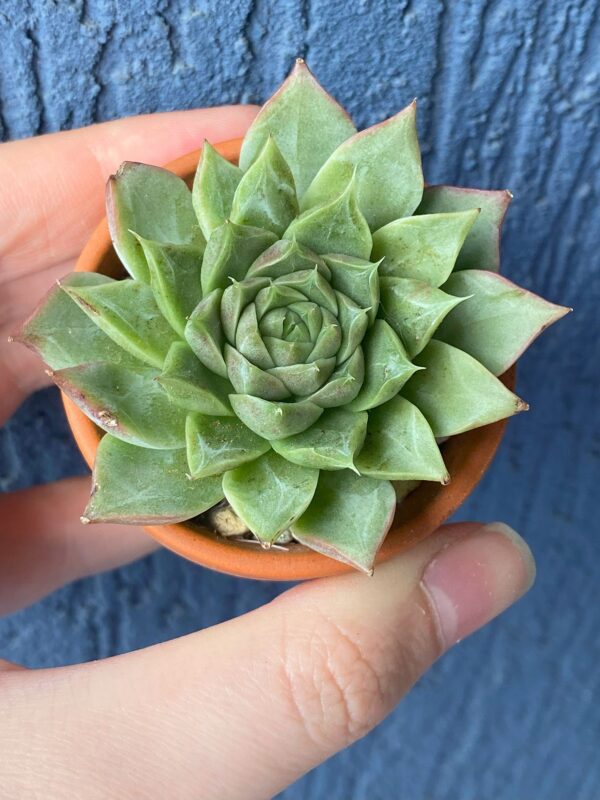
(125, 401)
(127, 312)
(305, 122)
(387, 367)
(63, 335)
(313, 286)
(456, 393)
(276, 295)
(146, 487)
(276, 322)
(218, 444)
(424, 248)
(174, 279)
(357, 279)
(247, 378)
(348, 518)
(498, 319)
(414, 309)
(204, 335)
(337, 226)
(215, 183)
(331, 443)
(270, 493)
(400, 445)
(344, 384)
(191, 385)
(328, 339)
(387, 163)
(313, 317)
(249, 339)
(284, 257)
(235, 299)
(229, 253)
(274, 420)
(266, 195)
(286, 354)
(481, 249)
(304, 379)
(353, 323)
(153, 203)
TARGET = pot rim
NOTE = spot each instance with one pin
(467, 456)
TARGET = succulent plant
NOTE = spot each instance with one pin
(295, 334)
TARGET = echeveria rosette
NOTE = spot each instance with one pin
(296, 331)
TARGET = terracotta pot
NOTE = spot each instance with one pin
(467, 457)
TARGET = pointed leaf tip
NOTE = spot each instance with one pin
(331, 443)
(191, 386)
(387, 164)
(218, 444)
(400, 445)
(348, 518)
(270, 493)
(273, 420)
(358, 279)
(229, 253)
(214, 187)
(266, 195)
(156, 204)
(456, 393)
(481, 248)
(127, 312)
(387, 367)
(174, 278)
(415, 310)
(336, 226)
(498, 320)
(284, 257)
(306, 122)
(63, 335)
(423, 247)
(135, 485)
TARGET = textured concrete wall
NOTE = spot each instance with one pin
(508, 93)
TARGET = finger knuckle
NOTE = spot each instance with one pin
(337, 681)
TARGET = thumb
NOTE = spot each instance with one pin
(244, 708)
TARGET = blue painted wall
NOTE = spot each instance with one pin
(508, 93)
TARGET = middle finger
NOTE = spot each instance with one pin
(43, 544)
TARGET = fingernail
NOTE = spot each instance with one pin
(475, 578)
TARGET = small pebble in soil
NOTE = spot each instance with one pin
(224, 520)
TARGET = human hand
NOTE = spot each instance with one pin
(242, 709)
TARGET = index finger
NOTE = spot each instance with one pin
(53, 185)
